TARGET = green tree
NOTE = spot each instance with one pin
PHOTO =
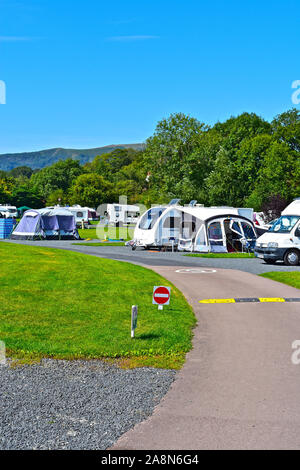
(168, 151)
(57, 197)
(23, 171)
(24, 196)
(108, 165)
(91, 190)
(60, 175)
(220, 184)
(286, 128)
(279, 175)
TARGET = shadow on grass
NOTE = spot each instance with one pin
(149, 336)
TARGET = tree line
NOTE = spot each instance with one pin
(244, 161)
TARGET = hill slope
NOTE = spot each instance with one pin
(47, 157)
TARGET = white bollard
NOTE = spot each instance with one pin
(134, 314)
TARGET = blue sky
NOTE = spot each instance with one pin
(86, 74)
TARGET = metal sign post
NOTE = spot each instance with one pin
(134, 314)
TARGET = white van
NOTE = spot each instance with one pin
(282, 241)
(8, 211)
(122, 213)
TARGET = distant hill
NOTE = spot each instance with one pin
(43, 158)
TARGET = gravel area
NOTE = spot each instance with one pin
(75, 405)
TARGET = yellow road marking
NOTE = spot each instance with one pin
(232, 301)
(217, 301)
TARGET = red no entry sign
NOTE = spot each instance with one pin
(161, 295)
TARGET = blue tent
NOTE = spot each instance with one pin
(46, 223)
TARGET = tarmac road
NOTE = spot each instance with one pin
(156, 258)
(238, 388)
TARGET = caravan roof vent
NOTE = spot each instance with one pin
(193, 202)
(174, 202)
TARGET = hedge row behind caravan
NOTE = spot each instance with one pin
(196, 228)
(46, 223)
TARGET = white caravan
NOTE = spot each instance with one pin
(123, 214)
(8, 211)
(196, 228)
(83, 214)
(282, 241)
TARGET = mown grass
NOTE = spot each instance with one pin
(68, 305)
(290, 278)
(221, 255)
(126, 233)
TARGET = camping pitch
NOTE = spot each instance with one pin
(46, 223)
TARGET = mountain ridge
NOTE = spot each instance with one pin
(42, 158)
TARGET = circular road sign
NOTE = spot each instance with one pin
(161, 295)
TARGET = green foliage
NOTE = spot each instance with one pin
(91, 189)
(57, 197)
(23, 171)
(58, 176)
(168, 155)
(24, 196)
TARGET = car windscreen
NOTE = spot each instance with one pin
(285, 224)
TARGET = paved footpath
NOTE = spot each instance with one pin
(238, 388)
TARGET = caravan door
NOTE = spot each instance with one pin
(216, 236)
(169, 228)
(201, 244)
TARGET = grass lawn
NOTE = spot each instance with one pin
(60, 304)
(290, 278)
(111, 232)
(222, 255)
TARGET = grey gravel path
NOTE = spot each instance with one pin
(75, 405)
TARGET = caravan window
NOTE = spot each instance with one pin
(235, 231)
(188, 229)
(132, 214)
(201, 237)
(79, 214)
(150, 217)
(172, 222)
(248, 231)
(215, 234)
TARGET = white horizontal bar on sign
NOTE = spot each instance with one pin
(161, 295)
